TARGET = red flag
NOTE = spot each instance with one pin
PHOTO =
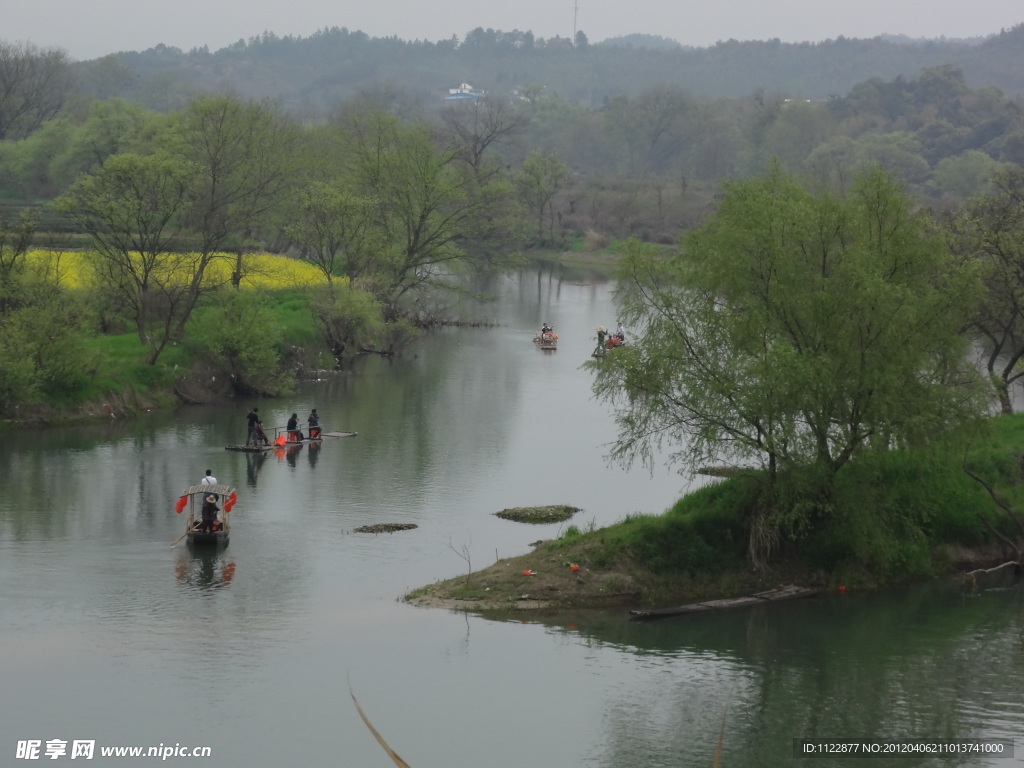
(181, 504)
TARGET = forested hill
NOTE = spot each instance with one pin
(310, 75)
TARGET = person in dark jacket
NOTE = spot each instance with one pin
(210, 510)
(294, 434)
(253, 417)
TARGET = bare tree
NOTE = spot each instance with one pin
(34, 84)
(478, 125)
(991, 231)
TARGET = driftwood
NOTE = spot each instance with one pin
(970, 579)
(787, 592)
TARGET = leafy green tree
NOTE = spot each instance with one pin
(238, 336)
(132, 210)
(244, 155)
(964, 176)
(424, 206)
(27, 163)
(43, 356)
(15, 240)
(350, 316)
(334, 230)
(897, 153)
(990, 232)
(793, 329)
(111, 128)
(541, 177)
(799, 127)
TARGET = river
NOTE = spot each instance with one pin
(111, 636)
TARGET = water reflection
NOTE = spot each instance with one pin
(204, 569)
(469, 422)
(253, 463)
(925, 663)
(314, 454)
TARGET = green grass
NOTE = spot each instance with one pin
(120, 366)
(553, 513)
(119, 361)
(888, 519)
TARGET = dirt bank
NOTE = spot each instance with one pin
(544, 579)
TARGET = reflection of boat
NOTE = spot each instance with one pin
(204, 568)
(547, 340)
(192, 497)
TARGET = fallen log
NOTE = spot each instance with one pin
(786, 592)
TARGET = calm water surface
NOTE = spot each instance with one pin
(108, 634)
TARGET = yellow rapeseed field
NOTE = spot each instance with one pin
(73, 270)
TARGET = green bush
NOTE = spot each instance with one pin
(239, 337)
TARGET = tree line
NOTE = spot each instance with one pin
(310, 75)
(390, 199)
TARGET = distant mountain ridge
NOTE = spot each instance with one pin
(311, 74)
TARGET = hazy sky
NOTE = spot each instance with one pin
(87, 29)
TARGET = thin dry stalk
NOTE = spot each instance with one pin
(380, 739)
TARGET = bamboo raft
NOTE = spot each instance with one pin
(549, 341)
(272, 446)
(787, 592)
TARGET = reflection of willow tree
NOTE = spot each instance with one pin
(918, 665)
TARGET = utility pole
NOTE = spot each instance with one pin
(575, 14)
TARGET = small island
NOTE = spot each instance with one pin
(923, 514)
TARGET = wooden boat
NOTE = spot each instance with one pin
(547, 340)
(192, 499)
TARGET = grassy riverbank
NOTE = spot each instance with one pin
(104, 373)
(892, 518)
(121, 384)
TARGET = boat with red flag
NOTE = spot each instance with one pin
(208, 509)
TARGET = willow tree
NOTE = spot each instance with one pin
(793, 330)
